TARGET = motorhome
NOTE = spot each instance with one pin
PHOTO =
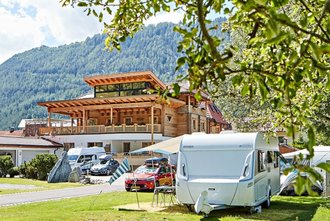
(84, 157)
(227, 169)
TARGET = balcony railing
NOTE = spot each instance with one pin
(100, 129)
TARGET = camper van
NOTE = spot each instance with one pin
(217, 171)
(84, 157)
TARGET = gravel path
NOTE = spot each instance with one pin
(16, 186)
(39, 196)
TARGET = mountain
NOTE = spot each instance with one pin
(56, 73)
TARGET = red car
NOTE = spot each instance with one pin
(155, 172)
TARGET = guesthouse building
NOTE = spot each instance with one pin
(125, 112)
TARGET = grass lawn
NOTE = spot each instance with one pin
(40, 185)
(101, 208)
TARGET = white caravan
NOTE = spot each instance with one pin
(84, 157)
(321, 155)
(217, 171)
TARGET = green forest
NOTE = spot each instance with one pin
(56, 73)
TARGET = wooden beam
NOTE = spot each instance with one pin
(100, 107)
(84, 121)
(152, 125)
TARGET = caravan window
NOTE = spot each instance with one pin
(261, 161)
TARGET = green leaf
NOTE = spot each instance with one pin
(176, 89)
(324, 166)
(95, 13)
(82, 4)
(299, 185)
(198, 96)
(180, 62)
(237, 80)
(245, 90)
(100, 17)
(278, 39)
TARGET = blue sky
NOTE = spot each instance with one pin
(26, 24)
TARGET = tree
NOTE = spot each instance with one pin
(284, 60)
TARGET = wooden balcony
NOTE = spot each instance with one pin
(100, 129)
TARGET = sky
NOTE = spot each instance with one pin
(26, 24)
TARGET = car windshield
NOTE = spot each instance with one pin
(146, 169)
(103, 162)
(72, 157)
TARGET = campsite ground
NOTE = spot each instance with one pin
(105, 207)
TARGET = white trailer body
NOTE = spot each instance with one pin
(233, 169)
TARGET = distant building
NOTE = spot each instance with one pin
(23, 149)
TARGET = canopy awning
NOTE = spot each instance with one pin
(169, 146)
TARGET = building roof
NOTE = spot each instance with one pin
(15, 133)
(68, 106)
(27, 142)
(214, 112)
(145, 76)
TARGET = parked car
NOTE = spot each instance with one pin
(106, 166)
(155, 172)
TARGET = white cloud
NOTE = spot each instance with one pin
(174, 17)
(25, 24)
(49, 24)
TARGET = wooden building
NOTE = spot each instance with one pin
(125, 112)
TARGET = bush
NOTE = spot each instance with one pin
(13, 171)
(5, 164)
(38, 167)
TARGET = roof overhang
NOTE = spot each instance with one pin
(67, 107)
(143, 76)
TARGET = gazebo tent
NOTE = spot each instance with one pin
(168, 147)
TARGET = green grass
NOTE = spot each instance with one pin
(101, 208)
(40, 185)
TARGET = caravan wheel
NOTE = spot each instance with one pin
(266, 204)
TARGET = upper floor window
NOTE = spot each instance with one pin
(124, 89)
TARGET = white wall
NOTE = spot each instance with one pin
(116, 140)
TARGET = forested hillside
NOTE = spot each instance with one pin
(55, 73)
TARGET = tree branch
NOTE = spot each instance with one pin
(201, 20)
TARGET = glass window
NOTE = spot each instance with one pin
(113, 87)
(101, 88)
(126, 86)
(128, 121)
(194, 124)
(95, 144)
(261, 161)
(126, 93)
(139, 85)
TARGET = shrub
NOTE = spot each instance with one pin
(5, 164)
(13, 171)
(44, 164)
(38, 167)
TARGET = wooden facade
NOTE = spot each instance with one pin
(122, 103)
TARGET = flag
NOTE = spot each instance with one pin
(123, 168)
